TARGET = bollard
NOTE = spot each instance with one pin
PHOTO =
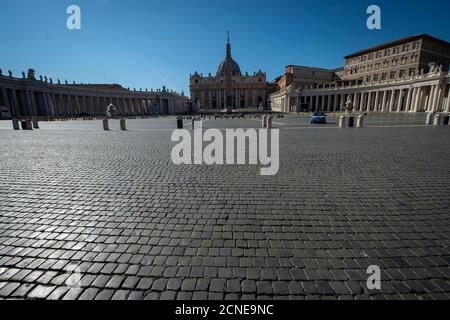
(105, 124)
(123, 125)
(360, 121)
(35, 123)
(446, 120)
(196, 124)
(437, 120)
(351, 122)
(15, 124)
(429, 117)
(180, 123)
(342, 122)
(269, 122)
(27, 125)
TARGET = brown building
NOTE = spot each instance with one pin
(304, 76)
(229, 87)
(397, 59)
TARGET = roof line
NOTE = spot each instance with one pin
(397, 42)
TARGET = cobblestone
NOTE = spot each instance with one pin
(110, 209)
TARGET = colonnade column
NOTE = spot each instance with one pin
(6, 100)
(408, 99)
(335, 102)
(323, 105)
(392, 101)
(362, 101)
(431, 98)
(447, 108)
(420, 93)
(369, 101)
(400, 100)
(342, 104)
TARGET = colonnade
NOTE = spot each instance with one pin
(426, 93)
(29, 97)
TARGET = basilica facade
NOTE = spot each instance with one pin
(229, 88)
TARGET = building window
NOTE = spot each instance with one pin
(375, 77)
(393, 74)
(384, 76)
(412, 72)
(402, 73)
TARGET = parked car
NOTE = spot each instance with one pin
(319, 118)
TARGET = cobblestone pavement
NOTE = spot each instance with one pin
(106, 215)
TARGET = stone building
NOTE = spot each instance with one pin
(405, 57)
(29, 97)
(407, 75)
(229, 87)
(298, 76)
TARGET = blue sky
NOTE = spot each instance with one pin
(149, 43)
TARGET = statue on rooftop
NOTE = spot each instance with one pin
(31, 74)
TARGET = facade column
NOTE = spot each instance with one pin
(51, 106)
(98, 106)
(342, 104)
(131, 106)
(392, 101)
(78, 104)
(335, 102)
(202, 99)
(369, 102)
(91, 109)
(62, 108)
(211, 99)
(136, 107)
(323, 105)
(362, 101)
(415, 99)
(418, 98)
(329, 103)
(383, 102)
(17, 106)
(31, 106)
(355, 101)
(400, 100)
(408, 99)
(447, 108)
(376, 101)
(6, 100)
(437, 98)
(430, 99)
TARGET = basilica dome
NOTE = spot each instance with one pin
(222, 69)
(235, 70)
